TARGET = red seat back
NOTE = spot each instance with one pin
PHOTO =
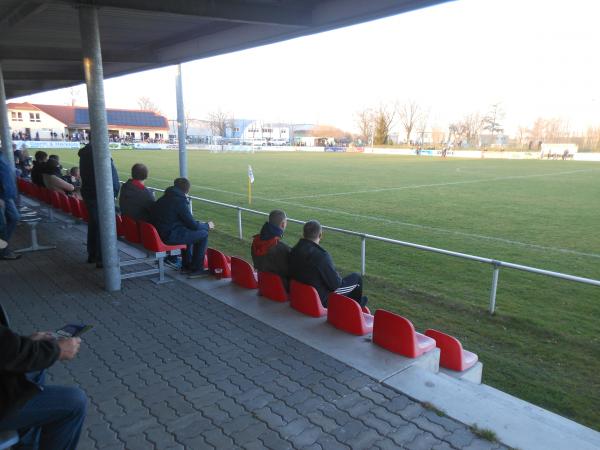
(304, 298)
(451, 351)
(75, 209)
(243, 274)
(120, 226)
(346, 314)
(218, 263)
(395, 333)
(84, 211)
(131, 230)
(64, 203)
(151, 239)
(54, 198)
(271, 287)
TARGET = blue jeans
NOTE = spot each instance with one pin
(8, 222)
(52, 420)
(193, 256)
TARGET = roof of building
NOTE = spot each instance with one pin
(40, 42)
(78, 116)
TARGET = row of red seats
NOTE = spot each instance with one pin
(390, 331)
(67, 204)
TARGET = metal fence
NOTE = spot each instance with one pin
(496, 264)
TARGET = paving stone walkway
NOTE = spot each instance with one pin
(168, 367)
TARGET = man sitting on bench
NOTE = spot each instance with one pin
(50, 416)
(311, 264)
(269, 252)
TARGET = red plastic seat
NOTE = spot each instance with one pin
(271, 287)
(75, 209)
(452, 355)
(131, 230)
(304, 298)
(397, 334)
(54, 198)
(84, 211)
(120, 226)
(346, 314)
(151, 240)
(64, 203)
(218, 263)
(243, 274)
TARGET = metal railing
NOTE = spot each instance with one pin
(496, 264)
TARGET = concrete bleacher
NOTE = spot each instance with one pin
(515, 422)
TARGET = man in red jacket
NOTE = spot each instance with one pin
(51, 415)
(269, 252)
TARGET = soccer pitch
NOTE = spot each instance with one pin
(542, 345)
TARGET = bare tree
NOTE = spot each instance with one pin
(421, 125)
(491, 121)
(409, 113)
(219, 122)
(145, 104)
(383, 119)
(365, 120)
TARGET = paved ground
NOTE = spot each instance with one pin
(168, 367)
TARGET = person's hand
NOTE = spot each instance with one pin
(211, 225)
(42, 336)
(68, 348)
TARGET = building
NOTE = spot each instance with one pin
(56, 122)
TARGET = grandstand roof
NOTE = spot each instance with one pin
(40, 45)
(78, 116)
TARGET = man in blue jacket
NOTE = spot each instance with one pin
(175, 224)
(88, 192)
(9, 214)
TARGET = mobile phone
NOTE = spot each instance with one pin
(73, 330)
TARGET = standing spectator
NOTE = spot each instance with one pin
(269, 252)
(175, 224)
(88, 193)
(311, 264)
(37, 171)
(9, 215)
(136, 199)
(51, 415)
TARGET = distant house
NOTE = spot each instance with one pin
(56, 122)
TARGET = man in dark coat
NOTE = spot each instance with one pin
(9, 214)
(175, 224)
(57, 412)
(88, 193)
(311, 264)
(269, 252)
(136, 199)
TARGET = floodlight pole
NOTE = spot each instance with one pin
(94, 80)
(5, 128)
(181, 125)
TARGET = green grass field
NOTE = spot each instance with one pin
(542, 345)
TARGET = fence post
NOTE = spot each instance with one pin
(494, 287)
(241, 235)
(363, 256)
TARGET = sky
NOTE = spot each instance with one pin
(537, 58)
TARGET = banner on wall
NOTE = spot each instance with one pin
(47, 144)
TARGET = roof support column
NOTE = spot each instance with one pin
(5, 127)
(94, 79)
(181, 125)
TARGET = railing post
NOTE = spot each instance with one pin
(363, 255)
(494, 287)
(240, 233)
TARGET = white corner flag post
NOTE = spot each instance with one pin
(250, 183)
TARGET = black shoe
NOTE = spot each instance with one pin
(99, 265)
(198, 273)
(10, 256)
(91, 260)
(364, 300)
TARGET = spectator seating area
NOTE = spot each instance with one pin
(390, 331)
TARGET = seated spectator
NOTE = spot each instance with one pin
(269, 252)
(38, 168)
(136, 199)
(54, 182)
(50, 417)
(311, 264)
(58, 170)
(9, 215)
(22, 162)
(175, 224)
(73, 177)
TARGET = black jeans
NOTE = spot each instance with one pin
(93, 234)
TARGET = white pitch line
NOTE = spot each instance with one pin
(419, 186)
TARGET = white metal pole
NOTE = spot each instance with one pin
(494, 288)
(181, 125)
(363, 255)
(241, 235)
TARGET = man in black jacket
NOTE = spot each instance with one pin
(311, 264)
(175, 224)
(52, 415)
(88, 192)
(269, 252)
(136, 199)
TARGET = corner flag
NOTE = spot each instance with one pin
(250, 183)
